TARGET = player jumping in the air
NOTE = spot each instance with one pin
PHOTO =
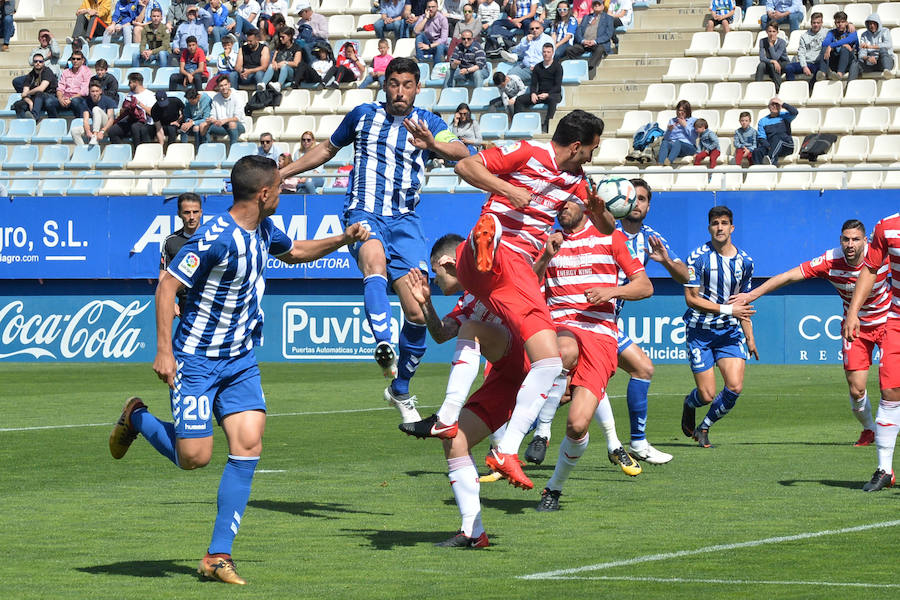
(392, 142)
(841, 266)
(210, 366)
(884, 249)
(718, 334)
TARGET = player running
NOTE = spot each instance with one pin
(392, 142)
(210, 366)
(718, 334)
(884, 249)
(841, 266)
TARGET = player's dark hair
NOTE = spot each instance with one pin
(402, 64)
(499, 78)
(446, 244)
(638, 182)
(578, 126)
(250, 174)
(853, 224)
(189, 197)
(720, 211)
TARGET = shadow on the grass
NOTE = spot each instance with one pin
(850, 485)
(390, 539)
(420, 473)
(310, 509)
(143, 568)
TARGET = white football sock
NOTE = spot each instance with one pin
(569, 452)
(863, 412)
(466, 362)
(604, 417)
(466, 489)
(534, 391)
(498, 435)
(548, 411)
(886, 427)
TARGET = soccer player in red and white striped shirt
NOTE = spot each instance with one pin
(841, 266)
(529, 183)
(884, 249)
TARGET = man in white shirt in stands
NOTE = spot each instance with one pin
(227, 111)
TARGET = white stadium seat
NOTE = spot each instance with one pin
(725, 94)
(873, 119)
(659, 95)
(714, 68)
(851, 148)
(681, 69)
(703, 43)
(838, 119)
(864, 180)
(860, 91)
(807, 121)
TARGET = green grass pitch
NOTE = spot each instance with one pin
(345, 506)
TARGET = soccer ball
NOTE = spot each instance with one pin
(618, 194)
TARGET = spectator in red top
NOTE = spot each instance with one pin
(191, 68)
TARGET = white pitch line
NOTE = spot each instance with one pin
(705, 550)
(270, 471)
(728, 581)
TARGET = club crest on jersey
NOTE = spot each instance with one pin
(189, 264)
(511, 148)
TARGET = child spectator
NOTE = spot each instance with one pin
(744, 141)
(379, 65)
(876, 50)
(840, 46)
(773, 56)
(348, 67)
(191, 67)
(226, 63)
(721, 12)
(108, 82)
(510, 87)
(708, 142)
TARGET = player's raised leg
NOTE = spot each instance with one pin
(371, 261)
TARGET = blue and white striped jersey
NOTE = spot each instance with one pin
(388, 170)
(718, 277)
(222, 266)
(639, 246)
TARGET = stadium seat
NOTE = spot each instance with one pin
(828, 11)
(736, 43)
(681, 69)
(180, 181)
(161, 78)
(364, 17)
(209, 156)
(752, 17)
(53, 157)
(885, 148)
(612, 151)
(632, 121)
(51, 130)
(151, 182)
(690, 178)
(440, 183)
(10, 100)
(795, 93)
(730, 121)
(464, 187)
(87, 184)
(334, 7)
(21, 184)
(115, 156)
(829, 180)
(524, 125)
(725, 94)
(758, 93)
(30, 11)
(695, 93)
(327, 126)
(659, 95)
(860, 91)
(660, 178)
(889, 93)
(794, 178)
(127, 55)
(761, 34)
(353, 98)
(237, 152)
(826, 93)
(725, 178)
(481, 98)
(213, 181)
(863, 180)
(873, 119)
(59, 185)
(271, 124)
(889, 12)
(711, 116)
(293, 102)
(493, 125)
(838, 119)
(744, 68)
(714, 68)
(325, 102)
(664, 116)
(794, 41)
(754, 180)
(370, 48)
(343, 157)
(405, 47)
(178, 156)
(703, 43)
(808, 120)
(452, 97)
(2, 154)
(892, 178)
(66, 54)
(146, 156)
(297, 125)
(574, 72)
(340, 26)
(857, 13)
(20, 131)
(21, 158)
(108, 52)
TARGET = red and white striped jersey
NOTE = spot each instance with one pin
(470, 308)
(588, 259)
(885, 249)
(532, 166)
(833, 267)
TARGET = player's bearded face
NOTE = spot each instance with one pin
(570, 216)
(852, 243)
(400, 93)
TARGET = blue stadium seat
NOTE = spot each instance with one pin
(493, 125)
(179, 185)
(209, 156)
(464, 188)
(425, 73)
(23, 185)
(84, 157)
(213, 181)
(426, 98)
(20, 131)
(379, 97)
(50, 131)
(57, 187)
(524, 125)
(2, 154)
(53, 157)
(542, 106)
(125, 57)
(22, 158)
(451, 98)
(116, 156)
(8, 111)
(161, 79)
(574, 71)
(86, 185)
(343, 157)
(504, 67)
(65, 54)
(432, 79)
(110, 52)
(238, 151)
(214, 53)
(440, 183)
(146, 72)
(481, 98)
(117, 73)
(177, 94)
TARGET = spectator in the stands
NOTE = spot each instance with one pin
(774, 133)
(528, 52)
(488, 12)
(773, 56)
(245, 16)
(91, 19)
(196, 112)
(155, 43)
(466, 128)
(347, 68)
(253, 60)
(312, 28)
(432, 31)
(510, 87)
(73, 85)
(267, 147)
(876, 50)
(226, 116)
(108, 83)
(721, 12)
(564, 28)
(191, 27)
(145, 16)
(289, 184)
(680, 138)
(505, 29)
(622, 12)
(783, 11)
(840, 46)
(48, 49)
(468, 65)
(122, 23)
(708, 142)
(391, 20)
(167, 113)
(192, 70)
(453, 10)
(413, 10)
(467, 23)
(744, 140)
(546, 87)
(594, 35)
(7, 24)
(177, 14)
(268, 8)
(221, 23)
(379, 65)
(270, 28)
(809, 54)
(98, 115)
(287, 57)
(308, 185)
(38, 92)
(320, 67)
(226, 62)
(134, 120)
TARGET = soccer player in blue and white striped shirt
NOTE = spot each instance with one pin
(392, 142)
(718, 333)
(210, 366)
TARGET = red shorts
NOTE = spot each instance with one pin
(597, 359)
(858, 353)
(889, 373)
(511, 289)
(495, 400)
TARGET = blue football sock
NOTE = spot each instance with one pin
(234, 491)
(160, 434)
(412, 348)
(378, 308)
(720, 407)
(693, 399)
(637, 407)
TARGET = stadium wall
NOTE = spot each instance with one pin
(77, 275)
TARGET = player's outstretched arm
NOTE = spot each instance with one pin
(421, 137)
(554, 242)
(693, 299)
(772, 284)
(658, 252)
(864, 283)
(440, 330)
(475, 173)
(307, 250)
(164, 362)
(316, 157)
(638, 287)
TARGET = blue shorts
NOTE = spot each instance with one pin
(213, 386)
(706, 346)
(623, 342)
(402, 237)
